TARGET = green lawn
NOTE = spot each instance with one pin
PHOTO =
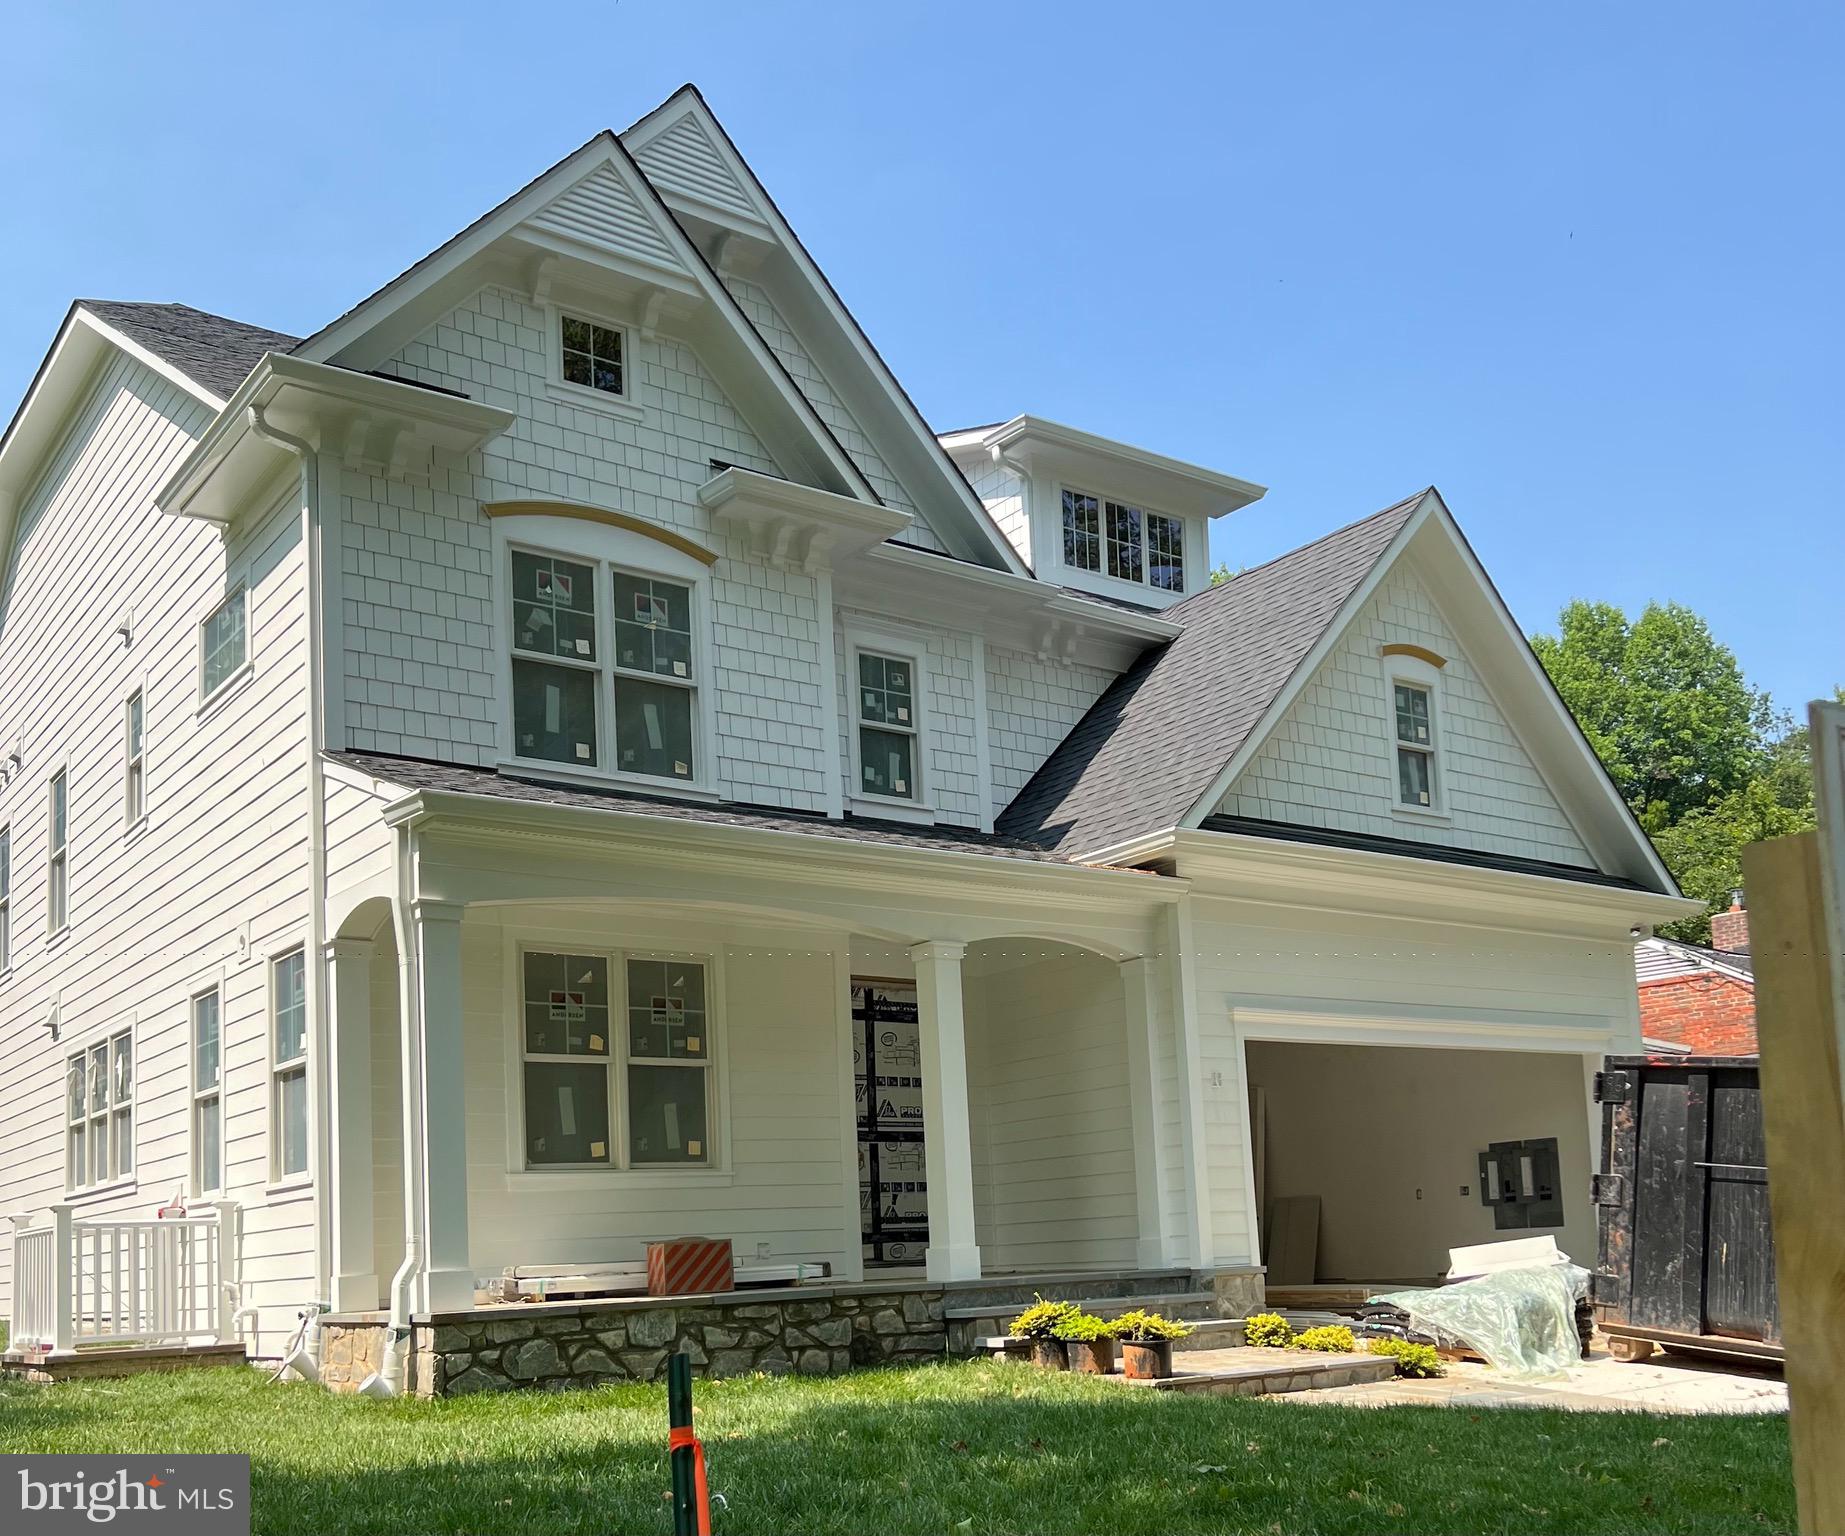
(975, 1447)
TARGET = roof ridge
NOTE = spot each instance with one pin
(168, 306)
(1301, 549)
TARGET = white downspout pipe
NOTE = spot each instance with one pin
(1012, 467)
(388, 1379)
(317, 847)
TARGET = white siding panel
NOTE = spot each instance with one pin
(1034, 703)
(1002, 492)
(601, 211)
(215, 882)
(683, 159)
(1330, 761)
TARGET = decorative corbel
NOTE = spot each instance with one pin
(540, 275)
(650, 315)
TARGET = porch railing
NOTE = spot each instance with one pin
(108, 1281)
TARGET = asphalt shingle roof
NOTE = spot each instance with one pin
(1164, 729)
(209, 349)
(415, 773)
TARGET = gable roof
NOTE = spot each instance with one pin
(689, 156)
(213, 351)
(1140, 758)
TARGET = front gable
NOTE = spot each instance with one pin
(1330, 761)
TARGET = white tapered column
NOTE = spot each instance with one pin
(947, 1137)
(348, 990)
(448, 1276)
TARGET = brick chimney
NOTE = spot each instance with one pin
(1729, 931)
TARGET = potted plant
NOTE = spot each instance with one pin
(1038, 1322)
(1146, 1344)
(1088, 1342)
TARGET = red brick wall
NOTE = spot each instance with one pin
(1730, 930)
(1714, 1015)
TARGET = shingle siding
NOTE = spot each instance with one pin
(1330, 761)
(1034, 703)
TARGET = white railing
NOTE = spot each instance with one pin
(104, 1281)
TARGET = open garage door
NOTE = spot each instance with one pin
(1390, 1139)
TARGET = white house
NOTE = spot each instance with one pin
(564, 756)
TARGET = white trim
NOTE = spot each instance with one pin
(238, 586)
(1193, 541)
(1414, 673)
(196, 1096)
(869, 637)
(81, 1048)
(621, 405)
(134, 763)
(618, 1171)
(983, 735)
(832, 723)
(57, 855)
(1343, 1021)
(301, 1066)
(6, 900)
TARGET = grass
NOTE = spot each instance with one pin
(976, 1448)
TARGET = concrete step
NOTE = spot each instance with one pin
(97, 1360)
(1265, 1372)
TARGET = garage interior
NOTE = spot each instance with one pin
(1392, 1141)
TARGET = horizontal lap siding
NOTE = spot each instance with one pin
(1343, 964)
(786, 1133)
(1330, 761)
(216, 882)
(1054, 1160)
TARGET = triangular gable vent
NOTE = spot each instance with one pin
(600, 211)
(683, 159)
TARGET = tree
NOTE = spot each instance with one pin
(1665, 706)
(1704, 851)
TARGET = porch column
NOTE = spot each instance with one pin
(448, 1277)
(348, 990)
(1139, 986)
(947, 1141)
(1193, 1136)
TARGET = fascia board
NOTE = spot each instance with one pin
(1189, 488)
(1309, 664)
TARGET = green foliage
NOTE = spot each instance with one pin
(1083, 1328)
(1268, 1330)
(1041, 1319)
(1138, 1327)
(1328, 1339)
(1411, 1359)
(1704, 850)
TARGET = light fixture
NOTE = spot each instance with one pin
(1638, 931)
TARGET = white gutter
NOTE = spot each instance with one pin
(317, 847)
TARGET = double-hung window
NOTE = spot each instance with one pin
(1415, 737)
(616, 1058)
(1119, 539)
(134, 783)
(207, 1096)
(100, 1120)
(887, 726)
(223, 644)
(57, 872)
(6, 898)
(288, 1066)
(605, 672)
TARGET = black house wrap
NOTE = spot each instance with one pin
(893, 1190)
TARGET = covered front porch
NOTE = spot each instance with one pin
(558, 1036)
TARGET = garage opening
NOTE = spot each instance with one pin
(1392, 1142)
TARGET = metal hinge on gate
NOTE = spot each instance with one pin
(1605, 1287)
(1613, 1087)
(1607, 1189)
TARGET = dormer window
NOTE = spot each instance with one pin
(1124, 541)
(592, 355)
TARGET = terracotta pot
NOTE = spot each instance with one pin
(1050, 1354)
(1146, 1362)
(1092, 1357)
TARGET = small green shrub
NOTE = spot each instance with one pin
(1083, 1328)
(1138, 1327)
(1268, 1330)
(1330, 1339)
(1040, 1319)
(1411, 1359)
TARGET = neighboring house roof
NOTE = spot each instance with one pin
(215, 352)
(1658, 959)
(417, 774)
(1156, 739)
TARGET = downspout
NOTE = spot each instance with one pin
(388, 1379)
(317, 852)
(1013, 467)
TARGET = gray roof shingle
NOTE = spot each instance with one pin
(1165, 728)
(416, 773)
(209, 349)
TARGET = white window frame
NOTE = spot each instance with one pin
(57, 855)
(587, 396)
(107, 1119)
(199, 1095)
(1413, 672)
(619, 1169)
(608, 550)
(6, 897)
(282, 1069)
(1192, 545)
(134, 759)
(207, 698)
(897, 645)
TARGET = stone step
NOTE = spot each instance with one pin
(1265, 1372)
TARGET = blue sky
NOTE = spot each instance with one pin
(1579, 265)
